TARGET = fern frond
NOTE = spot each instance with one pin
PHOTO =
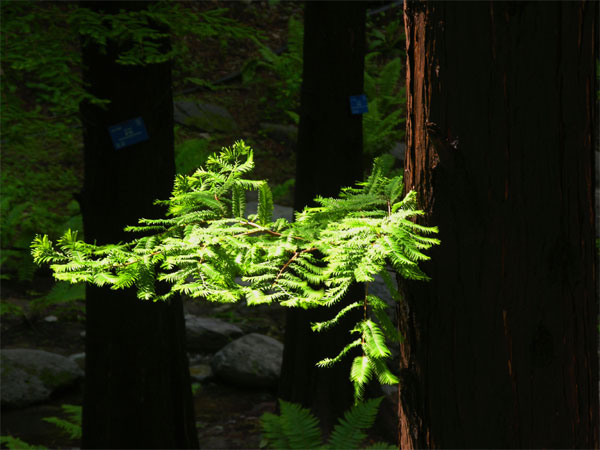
(381, 446)
(72, 425)
(350, 431)
(295, 428)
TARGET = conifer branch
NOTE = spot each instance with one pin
(206, 244)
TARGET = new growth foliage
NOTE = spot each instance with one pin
(208, 247)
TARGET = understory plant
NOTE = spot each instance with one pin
(208, 247)
(70, 426)
(297, 428)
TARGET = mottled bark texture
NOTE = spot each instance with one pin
(137, 390)
(329, 157)
(501, 344)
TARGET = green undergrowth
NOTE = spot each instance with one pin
(69, 425)
(39, 178)
(297, 428)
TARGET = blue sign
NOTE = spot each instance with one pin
(358, 104)
(128, 133)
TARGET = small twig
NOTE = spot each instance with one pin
(286, 265)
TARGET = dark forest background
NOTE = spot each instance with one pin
(488, 109)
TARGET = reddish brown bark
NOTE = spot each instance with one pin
(501, 344)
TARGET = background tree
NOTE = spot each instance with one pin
(501, 347)
(329, 157)
(137, 390)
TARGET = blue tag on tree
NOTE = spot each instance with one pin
(358, 104)
(128, 133)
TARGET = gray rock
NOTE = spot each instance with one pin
(253, 360)
(208, 335)
(31, 376)
(79, 359)
(200, 372)
(390, 391)
(399, 150)
(379, 289)
(284, 134)
(203, 116)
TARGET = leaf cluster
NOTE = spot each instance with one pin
(208, 247)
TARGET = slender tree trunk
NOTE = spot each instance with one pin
(329, 157)
(501, 344)
(137, 389)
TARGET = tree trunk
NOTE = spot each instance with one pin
(329, 157)
(501, 344)
(137, 390)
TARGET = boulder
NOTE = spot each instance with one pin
(253, 360)
(208, 335)
(203, 117)
(79, 359)
(31, 376)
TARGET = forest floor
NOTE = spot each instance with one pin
(227, 417)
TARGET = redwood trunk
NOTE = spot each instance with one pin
(501, 344)
(329, 158)
(137, 390)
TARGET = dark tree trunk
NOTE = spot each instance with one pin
(137, 390)
(501, 347)
(329, 157)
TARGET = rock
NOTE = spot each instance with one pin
(399, 150)
(390, 391)
(203, 117)
(31, 376)
(79, 359)
(51, 319)
(284, 134)
(253, 360)
(208, 335)
(379, 289)
(200, 372)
